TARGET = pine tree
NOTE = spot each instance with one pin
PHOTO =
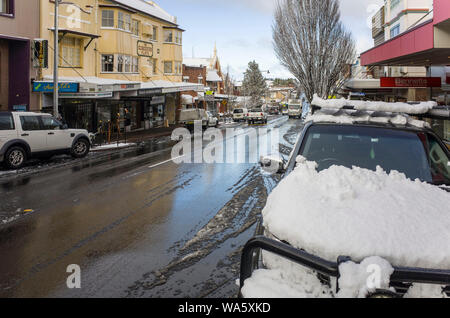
(254, 84)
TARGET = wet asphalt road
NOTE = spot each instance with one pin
(137, 224)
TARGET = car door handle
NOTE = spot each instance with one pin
(50, 133)
(25, 135)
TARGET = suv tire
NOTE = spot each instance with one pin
(80, 148)
(15, 157)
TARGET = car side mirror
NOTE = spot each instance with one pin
(272, 164)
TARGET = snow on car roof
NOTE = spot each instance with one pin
(352, 117)
(361, 213)
(413, 109)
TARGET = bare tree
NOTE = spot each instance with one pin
(312, 43)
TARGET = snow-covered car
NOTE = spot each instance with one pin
(212, 120)
(256, 115)
(25, 135)
(240, 114)
(362, 210)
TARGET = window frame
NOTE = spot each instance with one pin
(103, 63)
(11, 118)
(108, 18)
(135, 27)
(10, 9)
(63, 58)
(22, 118)
(171, 65)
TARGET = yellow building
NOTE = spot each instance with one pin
(114, 55)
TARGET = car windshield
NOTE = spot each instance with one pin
(417, 154)
(294, 106)
(256, 110)
(238, 111)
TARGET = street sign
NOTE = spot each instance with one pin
(408, 82)
(47, 87)
(145, 49)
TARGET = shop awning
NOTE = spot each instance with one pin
(165, 87)
(424, 45)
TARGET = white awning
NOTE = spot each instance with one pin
(187, 100)
(171, 87)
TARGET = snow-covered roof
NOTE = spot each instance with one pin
(197, 62)
(361, 213)
(148, 7)
(212, 76)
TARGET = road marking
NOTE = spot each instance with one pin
(164, 162)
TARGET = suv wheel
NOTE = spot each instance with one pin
(80, 148)
(15, 158)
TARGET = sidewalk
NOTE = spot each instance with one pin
(139, 136)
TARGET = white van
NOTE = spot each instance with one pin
(240, 114)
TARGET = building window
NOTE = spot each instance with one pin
(178, 67)
(136, 27)
(155, 33)
(135, 65)
(108, 18)
(395, 31)
(168, 67)
(6, 6)
(200, 79)
(168, 36)
(70, 52)
(178, 37)
(394, 3)
(107, 63)
(155, 65)
(124, 21)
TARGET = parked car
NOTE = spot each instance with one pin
(240, 114)
(188, 117)
(347, 199)
(256, 115)
(25, 135)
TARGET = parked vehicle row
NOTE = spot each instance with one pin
(188, 117)
(25, 135)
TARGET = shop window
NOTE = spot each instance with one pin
(70, 52)
(136, 27)
(107, 63)
(108, 18)
(124, 21)
(168, 67)
(168, 36)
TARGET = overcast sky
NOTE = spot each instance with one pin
(242, 30)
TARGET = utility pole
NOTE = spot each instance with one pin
(56, 63)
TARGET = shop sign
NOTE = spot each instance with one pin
(157, 100)
(145, 49)
(87, 95)
(125, 87)
(47, 87)
(411, 82)
(20, 108)
(149, 91)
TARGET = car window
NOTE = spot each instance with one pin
(256, 110)
(6, 121)
(50, 123)
(439, 161)
(369, 147)
(30, 123)
(238, 111)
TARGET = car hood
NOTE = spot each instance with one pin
(361, 213)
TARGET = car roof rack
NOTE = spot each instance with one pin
(420, 109)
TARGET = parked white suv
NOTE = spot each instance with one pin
(256, 115)
(25, 135)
